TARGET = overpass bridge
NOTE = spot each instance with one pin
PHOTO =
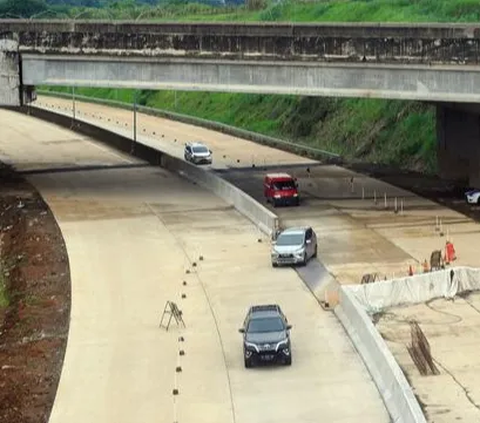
(427, 62)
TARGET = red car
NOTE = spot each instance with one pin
(281, 189)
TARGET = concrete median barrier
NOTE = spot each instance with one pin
(263, 218)
(392, 384)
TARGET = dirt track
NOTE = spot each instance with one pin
(35, 323)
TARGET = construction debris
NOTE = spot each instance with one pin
(419, 350)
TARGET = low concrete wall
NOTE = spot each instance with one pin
(394, 388)
(447, 283)
(305, 150)
(263, 218)
(266, 221)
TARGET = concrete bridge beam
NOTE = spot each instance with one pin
(415, 82)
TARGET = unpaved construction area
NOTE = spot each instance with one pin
(34, 302)
(452, 328)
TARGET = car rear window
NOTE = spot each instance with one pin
(268, 324)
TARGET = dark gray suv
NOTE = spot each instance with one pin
(266, 336)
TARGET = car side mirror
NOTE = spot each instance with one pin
(289, 327)
(241, 330)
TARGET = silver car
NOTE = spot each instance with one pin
(197, 153)
(294, 246)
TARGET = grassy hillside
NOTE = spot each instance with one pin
(398, 133)
(392, 132)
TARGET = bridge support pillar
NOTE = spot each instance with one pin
(10, 82)
(458, 136)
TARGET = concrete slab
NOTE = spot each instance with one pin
(132, 233)
(452, 330)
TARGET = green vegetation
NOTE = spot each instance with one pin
(398, 133)
(250, 10)
(3, 293)
(392, 132)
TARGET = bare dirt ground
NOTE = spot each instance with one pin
(34, 316)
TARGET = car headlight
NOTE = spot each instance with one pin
(295, 195)
(299, 253)
(281, 344)
(277, 196)
(251, 345)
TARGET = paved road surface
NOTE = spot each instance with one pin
(357, 235)
(132, 231)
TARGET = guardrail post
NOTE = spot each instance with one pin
(134, 120)
(73, 107)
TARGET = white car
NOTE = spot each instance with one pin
(294, 246)
(473, 196)
(197, 153)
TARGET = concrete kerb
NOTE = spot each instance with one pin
(392, 384)
(314, 153)
(358, 301)
(263, 218)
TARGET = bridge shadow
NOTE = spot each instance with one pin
(67, 169)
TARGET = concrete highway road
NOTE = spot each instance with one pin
(132, 231)
(357, 234)
(349, 245)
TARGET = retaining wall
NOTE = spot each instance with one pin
(263, 218)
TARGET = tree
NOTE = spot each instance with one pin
(22, 9)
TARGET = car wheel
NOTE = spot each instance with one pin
(305, 259)
(297, 203)
(274, 203)
(248, 363)
(288, 360)
(274, 264)
(315, 253)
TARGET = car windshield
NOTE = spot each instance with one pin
(283, 185)
(290, 239)
(200, 149)
(268, 324)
